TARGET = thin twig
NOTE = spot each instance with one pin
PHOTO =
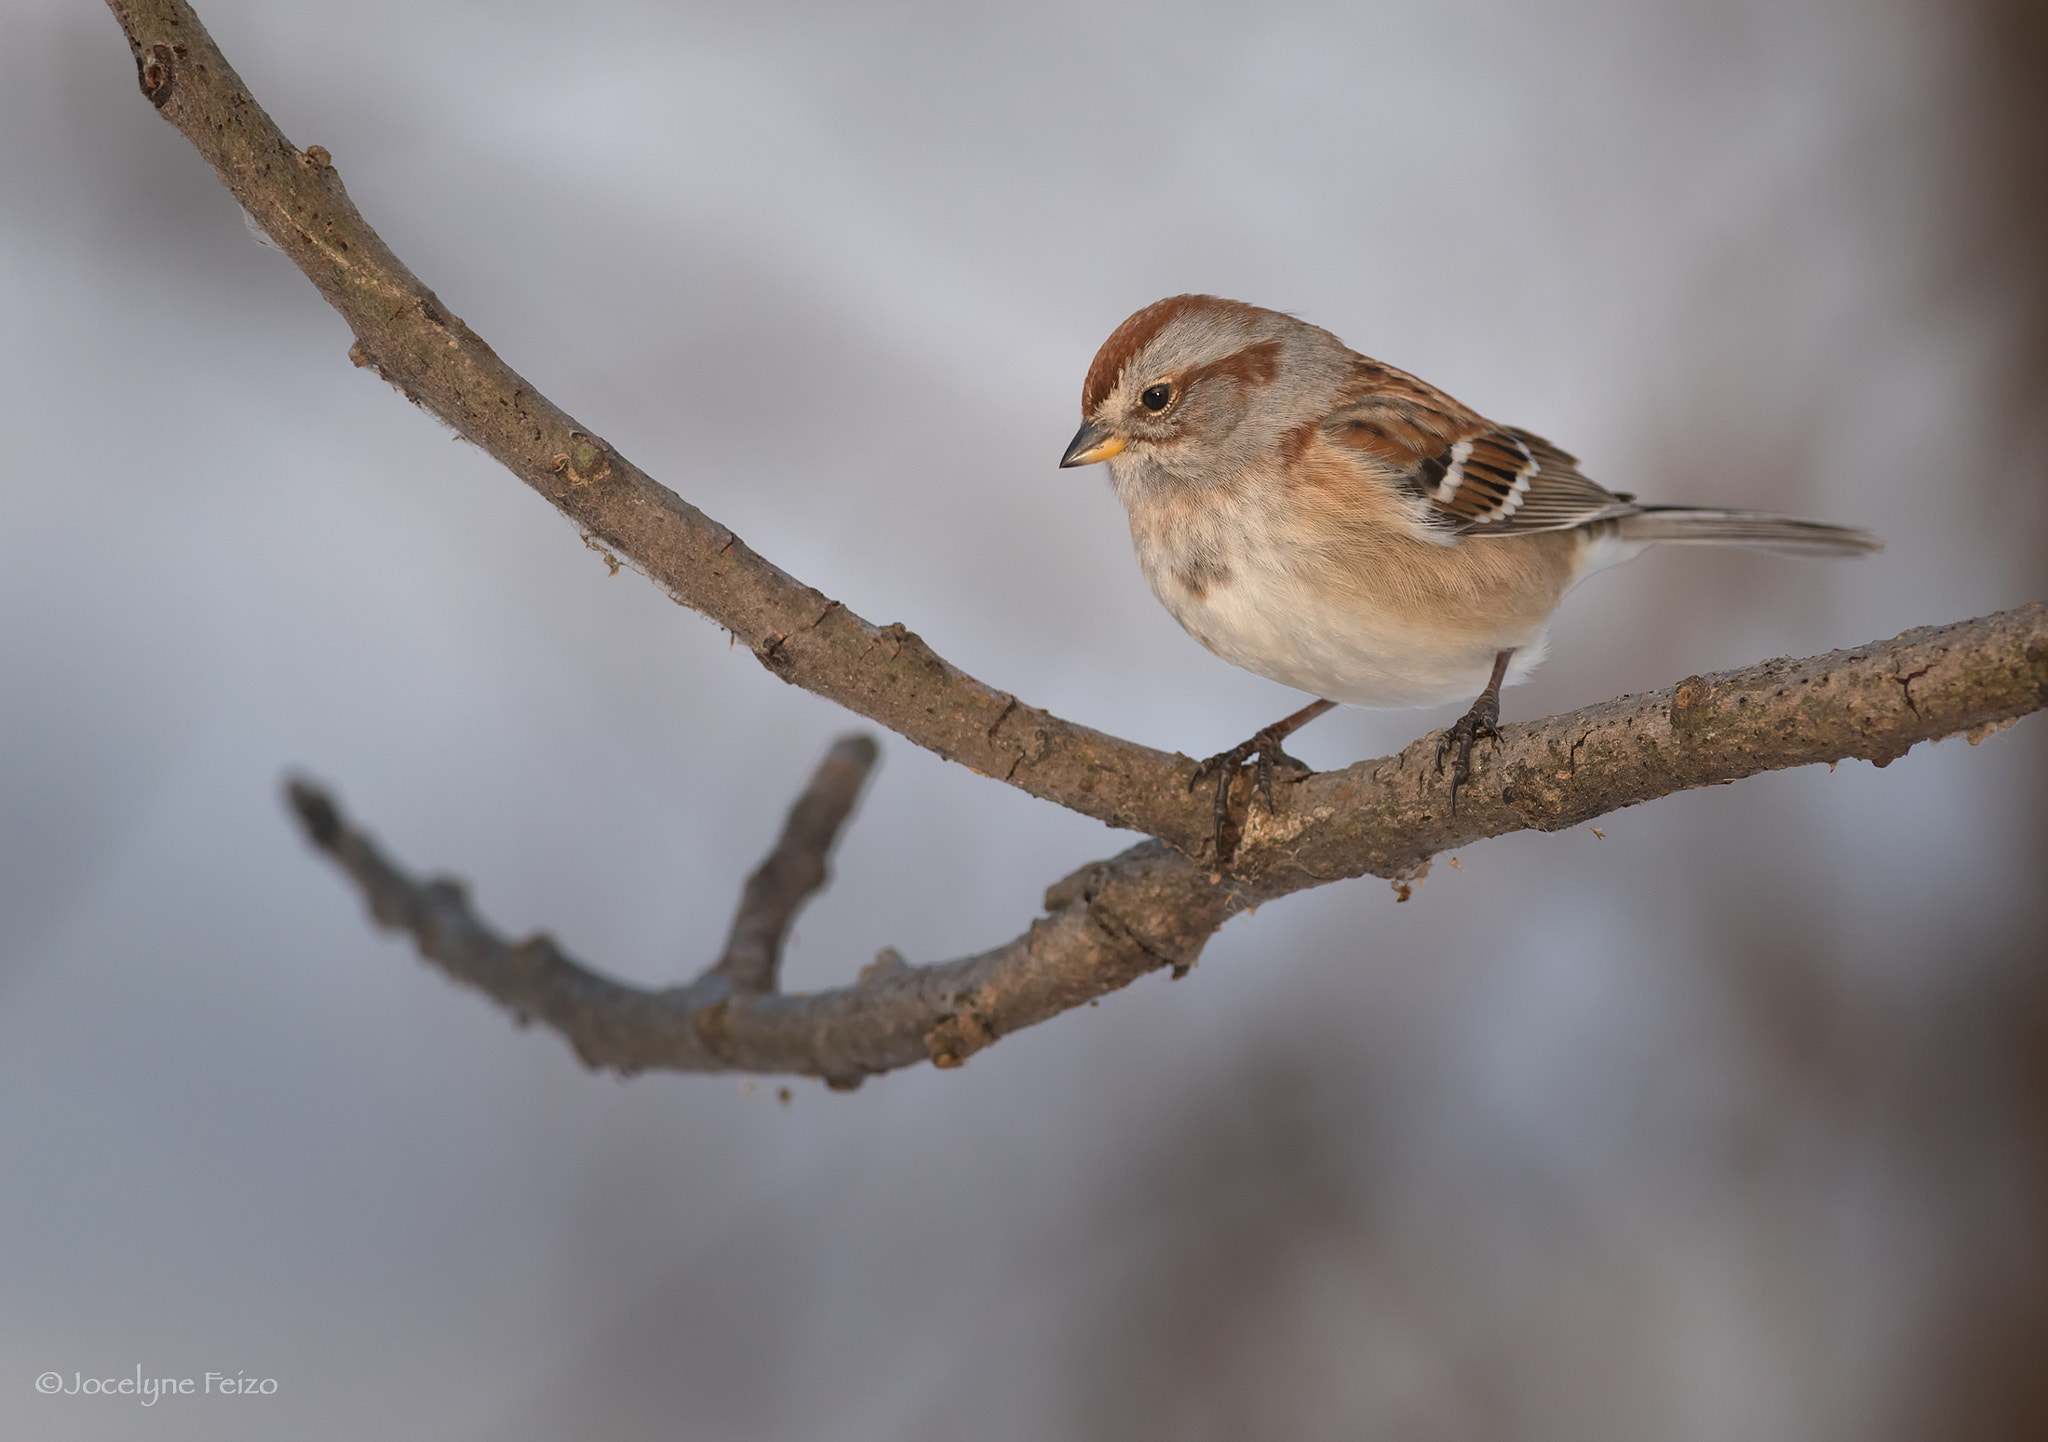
(1110, 924)
(796, 867)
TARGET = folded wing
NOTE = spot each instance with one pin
(1475, 478)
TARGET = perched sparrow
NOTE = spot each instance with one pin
(1341, 527)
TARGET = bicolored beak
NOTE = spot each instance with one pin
(1093, 442)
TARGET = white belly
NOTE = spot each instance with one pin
(1280, 633)
(1255, 610)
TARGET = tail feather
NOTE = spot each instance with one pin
(1757, 529)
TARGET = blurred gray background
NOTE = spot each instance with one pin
(1731, 1125)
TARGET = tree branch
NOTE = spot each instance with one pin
(796, 867)
(1872, 702)
(885, 673)
(1109, 923)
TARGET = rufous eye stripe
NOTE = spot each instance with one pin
(1141, 328)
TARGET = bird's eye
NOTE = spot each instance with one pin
(1156, 397)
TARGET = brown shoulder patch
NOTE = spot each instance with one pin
(1130, 338)
(1296, 442)
(1400, 433)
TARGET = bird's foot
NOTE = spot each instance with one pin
(1224, 765)
(1479, 721)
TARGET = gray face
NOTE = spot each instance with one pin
(1192, 389)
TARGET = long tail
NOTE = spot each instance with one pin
(1757, 529)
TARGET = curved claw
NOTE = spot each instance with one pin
(1267, 748)
(1477, 722)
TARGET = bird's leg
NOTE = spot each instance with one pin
(1266, 746)
(1479, 721)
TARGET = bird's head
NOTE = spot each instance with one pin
(1193, 383)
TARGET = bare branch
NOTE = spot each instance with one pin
(796, 867)
(1873, 702)
(1151, 907)
(1110, 923)
(402, 330)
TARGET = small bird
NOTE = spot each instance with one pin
(1341, 527)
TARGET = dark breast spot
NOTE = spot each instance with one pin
(1196, 577)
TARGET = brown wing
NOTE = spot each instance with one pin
(1478, 479)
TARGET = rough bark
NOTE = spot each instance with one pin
(1873, 702)
(795, 870)
(885, 673)
(1152, 907)
(1109, 924)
